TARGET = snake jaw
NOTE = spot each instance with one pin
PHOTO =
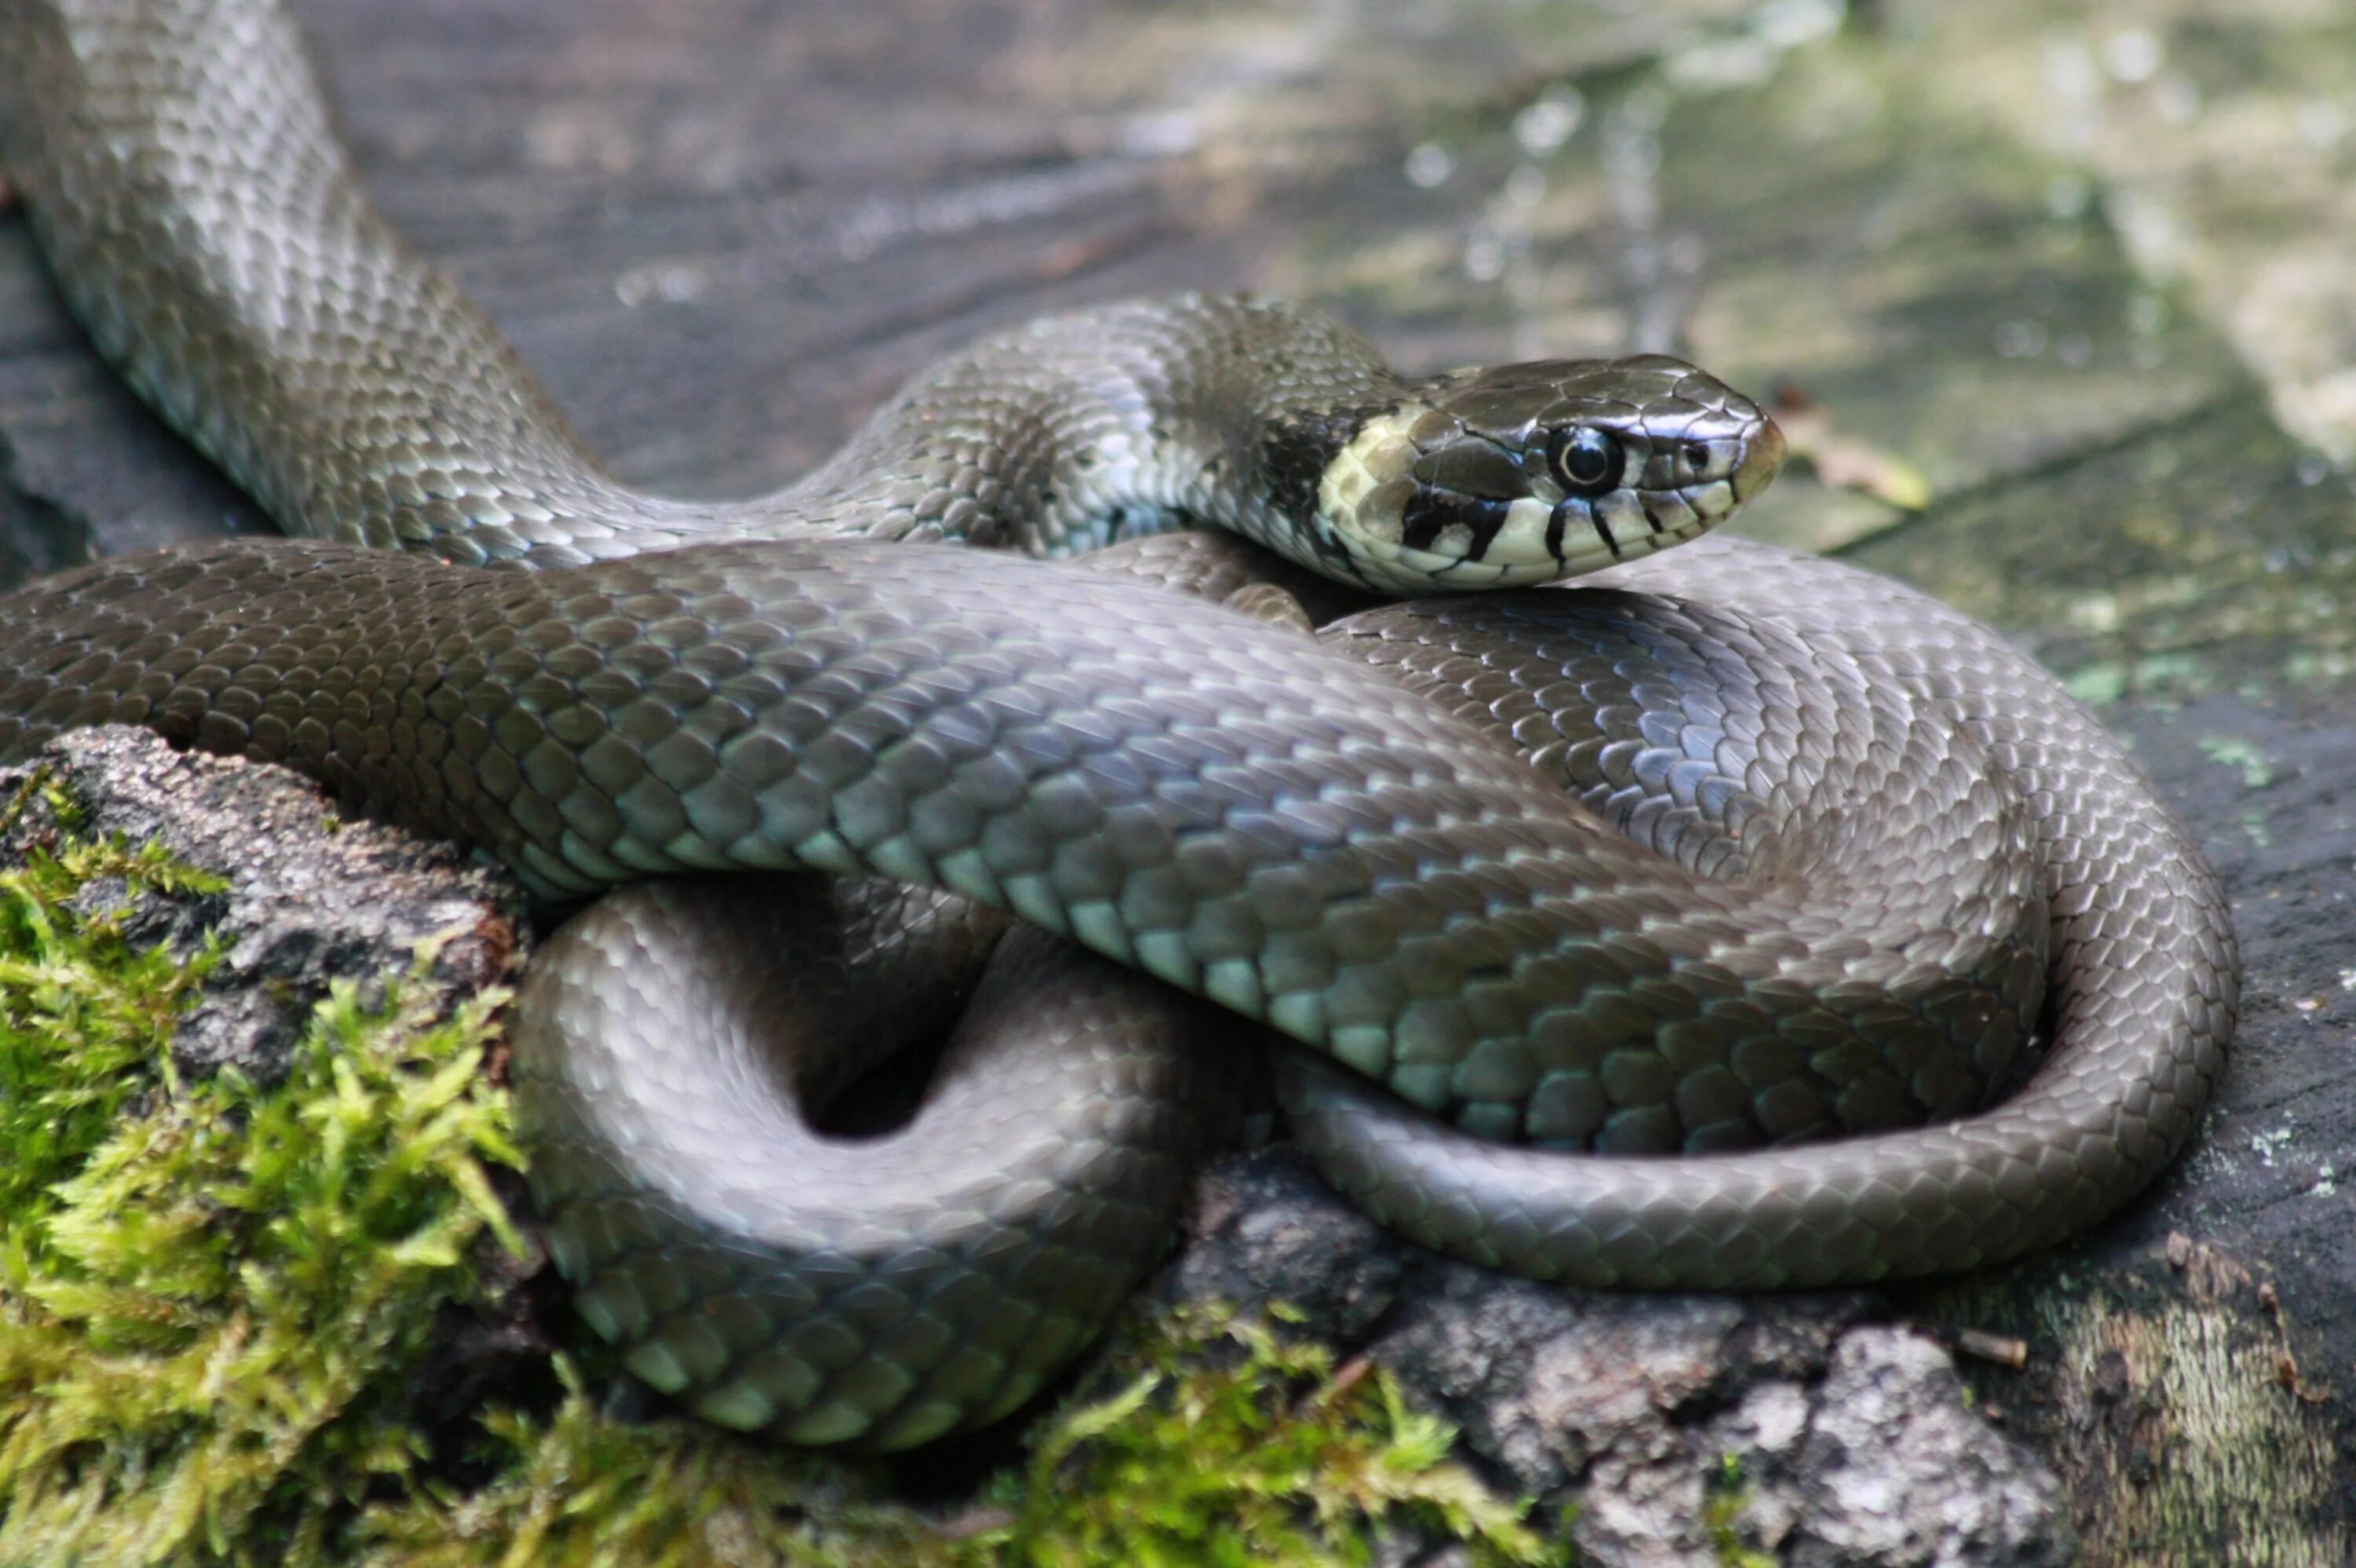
(1526, 473)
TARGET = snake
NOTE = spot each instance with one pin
(1728, 919)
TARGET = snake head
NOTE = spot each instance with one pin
(1524, 474)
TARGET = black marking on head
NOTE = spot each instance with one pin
(1603, 532)
(1296, 447)
(1557, 520)
(1488, 518)
(1652, 518)
(1429, 514)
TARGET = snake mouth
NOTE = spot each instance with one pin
(1526, 474)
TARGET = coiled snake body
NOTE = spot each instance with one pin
(1859, 850)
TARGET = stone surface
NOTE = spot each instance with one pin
(2082, 270)
(1672, 1428)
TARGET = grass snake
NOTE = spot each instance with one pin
(1728, 853)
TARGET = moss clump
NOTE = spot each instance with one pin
(1728, 1498)
(213, 1297)
(202, 1285)
(582, 1487)
(1268, 1456)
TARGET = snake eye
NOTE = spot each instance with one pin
(1587, 460)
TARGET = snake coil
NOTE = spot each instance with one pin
(1835, 854)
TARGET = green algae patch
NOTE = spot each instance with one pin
(2170, 1405)
(217, 1296)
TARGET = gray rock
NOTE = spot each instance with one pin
(1676, 1427)
(1894, 1468)
(1265, 1230)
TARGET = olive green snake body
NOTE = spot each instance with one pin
(1860, 849)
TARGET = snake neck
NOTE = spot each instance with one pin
(1123, 421)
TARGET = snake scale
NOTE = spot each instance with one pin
(1727, 854)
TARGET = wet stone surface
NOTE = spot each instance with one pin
(2080, 280)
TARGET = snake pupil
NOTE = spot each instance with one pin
(1587, 461)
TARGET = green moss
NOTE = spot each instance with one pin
(202, 1285)
(1269, 1458)
(582, 1488)
(1722, 1511)
(214, 1297)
